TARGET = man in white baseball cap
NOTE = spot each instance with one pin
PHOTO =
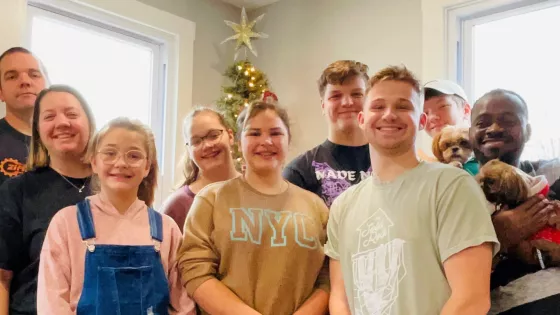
(445, 103)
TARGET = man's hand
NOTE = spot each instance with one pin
(554, 219)
(515, 225)
(551, 249)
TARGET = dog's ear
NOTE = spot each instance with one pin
(515, 186)
(435, 148)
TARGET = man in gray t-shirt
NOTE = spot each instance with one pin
(415, 237)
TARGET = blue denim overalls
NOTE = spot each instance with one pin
(120, 279)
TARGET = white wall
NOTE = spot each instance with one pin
(12, 30)
(305, 36)
(210, 58)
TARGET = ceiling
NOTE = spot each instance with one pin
(250, 4)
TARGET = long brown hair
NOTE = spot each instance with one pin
(147, 187)
(190, 169)
(38, 153)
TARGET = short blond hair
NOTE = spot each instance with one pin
(340, 71)
(395, 73)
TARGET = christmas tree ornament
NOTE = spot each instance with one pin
(244, 33)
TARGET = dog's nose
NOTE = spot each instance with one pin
(455, 149)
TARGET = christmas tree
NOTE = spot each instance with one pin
(248, 84)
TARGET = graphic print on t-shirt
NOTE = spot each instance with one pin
(13, 151)
(250, 224)
(377, 267)
(11, 167)
(334, 182)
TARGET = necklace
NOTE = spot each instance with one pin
(69, 182)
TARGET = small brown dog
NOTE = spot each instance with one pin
(452, 146)
(506, 187)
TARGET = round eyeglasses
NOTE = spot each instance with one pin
(131, 157)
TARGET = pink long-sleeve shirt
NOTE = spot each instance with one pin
(62, 264)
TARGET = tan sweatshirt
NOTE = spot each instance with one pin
(267, 249)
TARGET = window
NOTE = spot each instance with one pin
(119, 70)
(518, 50)
(116, 73)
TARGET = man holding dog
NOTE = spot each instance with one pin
(525, 280)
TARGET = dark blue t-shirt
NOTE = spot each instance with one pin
(329, 169)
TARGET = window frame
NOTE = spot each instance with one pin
(461, 19)
(177, 37)
(156, 47)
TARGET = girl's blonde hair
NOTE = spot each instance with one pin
(38, 153)
(148, 185)
(190, 169)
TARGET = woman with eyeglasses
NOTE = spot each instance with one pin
(112, 253)
(207, 159)
(56, 177)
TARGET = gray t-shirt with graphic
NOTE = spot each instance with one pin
(392, 238)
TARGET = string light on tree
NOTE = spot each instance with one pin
(241, 91)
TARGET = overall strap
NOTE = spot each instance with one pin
(85, 220)
(156, 225)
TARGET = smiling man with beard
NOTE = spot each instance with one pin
(500, 128)
(21, 79)
(521, 283)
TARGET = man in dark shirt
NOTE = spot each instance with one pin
(521, 283)
(343, 159)
(21, 79)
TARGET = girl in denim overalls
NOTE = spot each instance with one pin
(112, 253)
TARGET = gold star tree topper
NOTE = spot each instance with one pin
(244, 33)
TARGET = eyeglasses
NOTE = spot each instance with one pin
(132, 158)
(210, 137)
